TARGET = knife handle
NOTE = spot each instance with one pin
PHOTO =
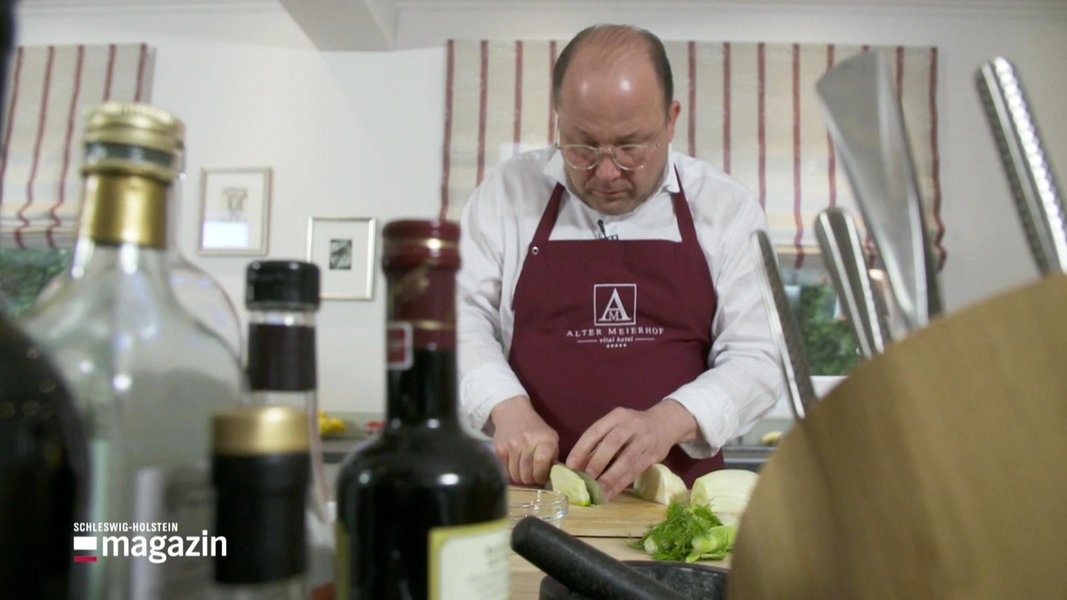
(844, 258)
(784, 328)
(583, 568)
(1032, 184)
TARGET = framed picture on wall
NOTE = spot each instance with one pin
(343, 248)
(235, 211)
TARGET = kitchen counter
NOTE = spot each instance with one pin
(609, 528)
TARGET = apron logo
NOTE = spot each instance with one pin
(615, 304)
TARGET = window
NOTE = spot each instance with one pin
(829, 344)
(827, 334)
(25, 272)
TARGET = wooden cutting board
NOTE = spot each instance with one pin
(936, 470)
(626, 516)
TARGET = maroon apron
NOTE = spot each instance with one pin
(607, 323)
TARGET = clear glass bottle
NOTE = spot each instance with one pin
(197, 291)
(260, 471)
(421, 507)
(145, 374)
(282, 297)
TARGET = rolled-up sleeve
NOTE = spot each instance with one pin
(485, 376)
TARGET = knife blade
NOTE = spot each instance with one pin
(1033, 186)
(784, 328)
(843, 254)
(865, 123)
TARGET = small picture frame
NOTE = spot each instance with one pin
(344, 250)
(235, 211)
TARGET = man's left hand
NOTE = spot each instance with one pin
(623, 443)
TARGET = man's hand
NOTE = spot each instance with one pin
(623, 443)
(525, 444)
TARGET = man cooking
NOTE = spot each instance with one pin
(609, 311)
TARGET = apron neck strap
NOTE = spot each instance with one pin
(678, 200)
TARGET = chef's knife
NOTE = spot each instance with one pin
(784, 328)
(865, 123)
(845, 261)
(1029, 175)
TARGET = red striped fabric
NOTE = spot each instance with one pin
(12, 105)
(108, 77)
(35, 160)
(831, 152)
(798, 197)
(48, 90)
(761, 128)
(935, 163)
(483, 95)
(726, 95)
(691, 130)
(446, 155)
(749, 107)
(551, 110)
(64, 171)
(142, 67)
(516, 137)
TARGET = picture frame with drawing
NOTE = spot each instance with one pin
(344, 249)
(235, 211)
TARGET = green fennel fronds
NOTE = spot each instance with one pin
(673, 538)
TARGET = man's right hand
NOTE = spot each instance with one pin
(526, 445)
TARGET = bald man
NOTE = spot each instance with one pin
(609, 312)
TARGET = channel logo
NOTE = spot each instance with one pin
(157, 547)
(83, 544)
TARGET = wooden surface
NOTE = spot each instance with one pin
(609, 528)
(625, 516)
(936, 470)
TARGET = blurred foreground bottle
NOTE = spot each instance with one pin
(422, 508)
(43, 473)
(282, 298)
(146, 376)
(260, 471)
(43, 455)
(197, 291)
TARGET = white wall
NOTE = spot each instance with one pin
(360, 134)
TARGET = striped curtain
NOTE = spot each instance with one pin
(748, 108)
(47, 92)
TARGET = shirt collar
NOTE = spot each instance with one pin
(555, 170)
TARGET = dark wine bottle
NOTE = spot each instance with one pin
(260, 469)
(422, 506)
(43, 473)
(43, 453)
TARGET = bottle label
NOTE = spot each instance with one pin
(340, 564)
(398, 341)
(182, 499)
(281, 357)
(469, 561)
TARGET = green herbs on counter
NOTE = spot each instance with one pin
(690, 532)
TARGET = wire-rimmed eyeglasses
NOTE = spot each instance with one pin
(627, 157)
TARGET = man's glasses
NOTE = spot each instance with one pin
(627, 157)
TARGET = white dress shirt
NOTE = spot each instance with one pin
(743, 380)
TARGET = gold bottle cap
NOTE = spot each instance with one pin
(259, 430)
(138, 125)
